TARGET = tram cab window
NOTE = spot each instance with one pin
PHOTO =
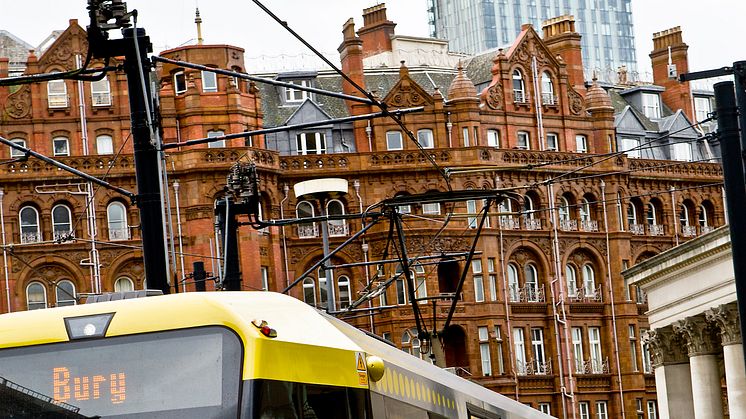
(288, 400)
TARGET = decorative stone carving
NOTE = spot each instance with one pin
(576, 101)
(698, 334)
(666, 347)
(494, 97)
(725, 317)
(19, 103)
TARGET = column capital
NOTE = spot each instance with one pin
(725, 317)
(698, 334)
(666, 347)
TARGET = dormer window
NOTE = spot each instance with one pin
(702, 107)
(682, 152)
(297, 95)
(651, 105)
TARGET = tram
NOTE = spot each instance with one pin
(253, 355)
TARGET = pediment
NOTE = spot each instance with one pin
(61, 54)
(308, 111)
(406, 93)
(529, 44)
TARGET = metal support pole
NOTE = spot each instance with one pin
(733, 174)
(146, 161)
(331, 303)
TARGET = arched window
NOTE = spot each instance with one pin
(547, 89)
(116, 216)
(345, 296)
(519, 88)
(650, 215)
(585, 210)
(30, 232)
(411, 344)
(123, 284)
(336, 227)
(309, 291)
(532, 283)
(61, 222)
(704, 218)
(104, 144)
(425, 138)
(528, 207)
(683, 215)
(36, 296)
(513, 282)
(631, 215)
(304, 209)
(564, 210)
(571, 277)
(401, 290)
(65, 293)
(589, 281)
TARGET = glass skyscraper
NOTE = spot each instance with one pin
(473, 26)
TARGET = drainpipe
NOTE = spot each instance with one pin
(369, 134)
(178, 229)
(508, 326)
(449, 126)
(5, 251)
(611, 296)
(364, 245)
(537, 99)
(285, 190)
(81, 107)
(675, 220)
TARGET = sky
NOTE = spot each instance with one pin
(714, 29)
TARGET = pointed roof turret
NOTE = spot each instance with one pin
(461, 87)
(596, 98)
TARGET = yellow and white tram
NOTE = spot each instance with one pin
(251, 355)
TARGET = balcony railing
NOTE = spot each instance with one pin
(101, 99)
(706, 229)
(30, 237)
(63, 236)
(655, 229)
(119, 234)
(509, 223)
(595, 366)
(532, 224)
(530, 294)
(519, 96)
(337, 229)
(548, 99)
(532, 367)
(689, 231)
(569, 225)
(589, 225)
(307, 231)
(57, 100)
(637, 229)
(583, 295)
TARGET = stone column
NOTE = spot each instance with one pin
(673, 381)
(725, 317)
(703, 348)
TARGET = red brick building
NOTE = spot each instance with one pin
(544, 316)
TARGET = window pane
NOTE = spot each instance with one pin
(123, 284)
(36, 296)
(209, 81)
(65, 293)
(180, 82)
(60, 146)
(104, 144)
(100, 94)
(394, 140)
(217, 143)
(13, 151)
(425, 138)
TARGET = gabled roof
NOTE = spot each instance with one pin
(407, 93)
(680, 123)
(297, 116)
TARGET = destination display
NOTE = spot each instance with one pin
(129, 375)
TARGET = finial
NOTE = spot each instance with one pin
(198, 21)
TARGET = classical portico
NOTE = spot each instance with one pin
(695, 340)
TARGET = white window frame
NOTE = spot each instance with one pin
(465, 134)
(531, 282)
(523, 140)
(57, 97)
(478, 278)
(537, 350)
(318, 140)
(651, 105)
(36, 305)
(652, 409)
(104, 144)
(547, 89)
(394, 141)
(425, 138)
(297, 95)
(681, 151)
(61, 140)
(702, 107)
(633, 346)
(484, 350)
(630, 147)
(101, 92)
(180, 79)
(650, 214)
(265, 277)
(571, 278)
(703, 217)
(553, 144)
(519, 348)
(513, 284)
(121, 280)
(577, 349)
(309, 286)
(216, 143)
(499, 341)
(29, 236)
(118, 229)
(60, 294)
(209, 82)
(310, 227)
(602, 410)
(432, 208)
(545, 408)
(596, 353)
(17, 153)
(589, 280)
(683, 215)
(345, 291)
(337, 228)
(58, 234)
(647, 362)
(584, 409)
(323, 294)
(519, 87)
(493, 138)
(581, 143)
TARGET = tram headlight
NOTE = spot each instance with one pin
(376, 367)
(86, 327)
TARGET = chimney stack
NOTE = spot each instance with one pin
(562, 39)
(669, 49)
(377, 30)
(351, 57)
